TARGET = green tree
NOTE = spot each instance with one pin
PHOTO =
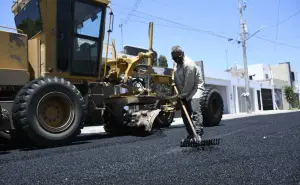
(289, 95)
(162, 61)
(163, 89)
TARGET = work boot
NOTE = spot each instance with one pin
(191, 137)
(200, 131)
(191, 141)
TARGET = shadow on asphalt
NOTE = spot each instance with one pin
(3, 153)
(6, 147)
(27, 146)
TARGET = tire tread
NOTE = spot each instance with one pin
(20, 108)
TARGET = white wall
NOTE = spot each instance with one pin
(222, 78)
(257, 70)
(253, 86)
(233, 97)
(216, 74)
(260, 71)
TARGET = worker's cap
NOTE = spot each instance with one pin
(176, 49)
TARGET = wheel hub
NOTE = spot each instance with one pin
(55, 112)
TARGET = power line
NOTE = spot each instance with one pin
(134, 8)
(277, 22)
(177, 23)
(188, 29)
(199, 30)
(288, 18)
(163, 25)
(238, 41)
(292, 37)
(139, 17)
(278, 43)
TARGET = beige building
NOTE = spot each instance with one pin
(280, 100)
(282, 73)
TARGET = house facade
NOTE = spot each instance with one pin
(278, 76)
(231, 85)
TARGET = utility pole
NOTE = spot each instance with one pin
(246, 76)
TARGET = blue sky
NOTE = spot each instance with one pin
(220, 17)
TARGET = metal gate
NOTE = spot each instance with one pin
(258, 99)
(267, 99)
(234, 99)
(278, 99)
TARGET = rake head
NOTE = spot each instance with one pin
(199, 143)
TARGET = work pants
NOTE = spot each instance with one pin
(194, 110)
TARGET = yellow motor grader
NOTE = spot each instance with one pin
(53, 77)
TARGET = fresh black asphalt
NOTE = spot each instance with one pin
(254, 150)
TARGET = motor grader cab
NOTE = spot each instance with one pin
(65, 38)
(53, 75)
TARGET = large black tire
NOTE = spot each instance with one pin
(212, 107)
(4, 134)
(27, 117)
(165, 119)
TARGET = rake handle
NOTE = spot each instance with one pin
(186, 113)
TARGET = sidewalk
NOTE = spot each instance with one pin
(260, 113)
(243, 115)
(178, 121)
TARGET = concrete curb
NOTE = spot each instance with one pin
(178, 121)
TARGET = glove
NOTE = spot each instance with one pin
(175, 97)
(178, 106)
(178, 103)
(181, 97)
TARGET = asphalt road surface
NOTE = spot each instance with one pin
(255, 150)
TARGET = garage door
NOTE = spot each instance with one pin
(266, 96)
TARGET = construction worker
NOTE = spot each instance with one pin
(190, 85)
